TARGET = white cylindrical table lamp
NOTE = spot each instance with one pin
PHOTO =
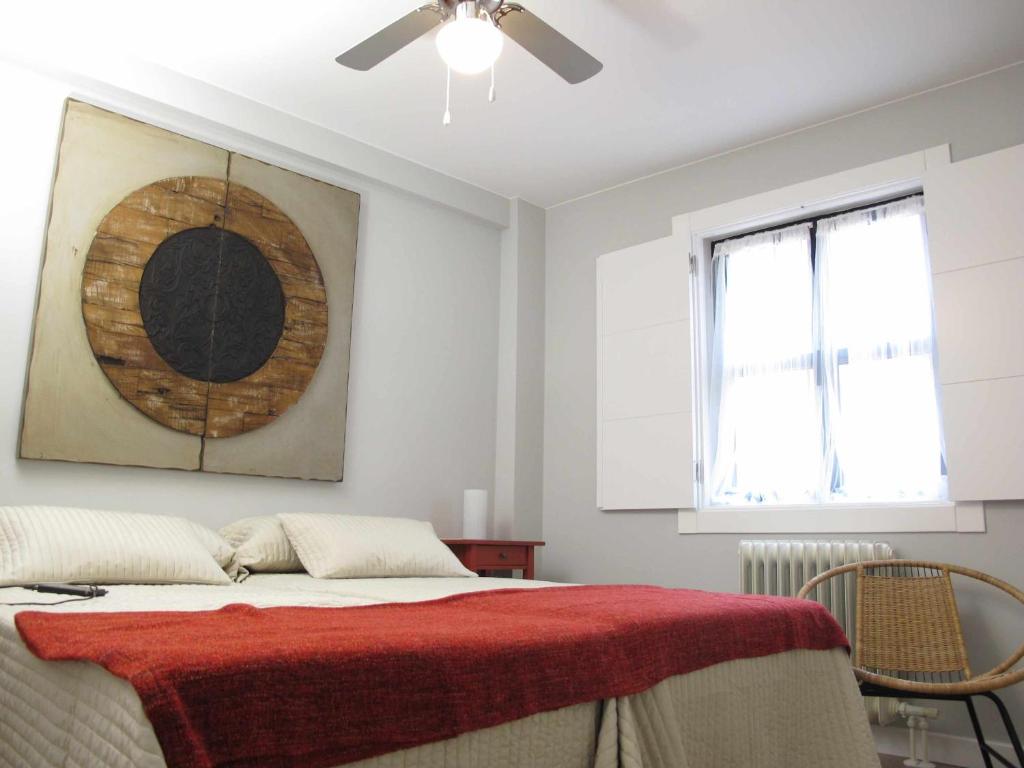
(474, 514)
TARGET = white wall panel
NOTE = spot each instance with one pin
(974, 209)
(979, 318)
(648, 463)
(647, 371)
(976, 245)
(645, 428)
(641, 286)
(985, 439)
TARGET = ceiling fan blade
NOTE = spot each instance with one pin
(374, 49)
(549, 45)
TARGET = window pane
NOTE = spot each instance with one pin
(766, 422)
(775, 449)
(766, 293)
(876, 279)
(886, 433)
(883, 440)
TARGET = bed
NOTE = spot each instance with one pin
(798, 708)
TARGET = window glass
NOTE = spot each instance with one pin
(822, 363)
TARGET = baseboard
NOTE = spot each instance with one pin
(942, 747)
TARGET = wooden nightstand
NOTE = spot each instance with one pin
(486, 556)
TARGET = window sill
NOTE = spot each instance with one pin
(962, 517)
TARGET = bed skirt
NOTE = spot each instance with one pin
(793, 709)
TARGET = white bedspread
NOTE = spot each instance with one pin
(793, 709)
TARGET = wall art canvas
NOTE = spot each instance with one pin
(195, 308)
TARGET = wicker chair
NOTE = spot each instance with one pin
(909, 644)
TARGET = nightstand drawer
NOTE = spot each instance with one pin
(501, 556)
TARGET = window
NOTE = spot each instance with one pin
(822, 377)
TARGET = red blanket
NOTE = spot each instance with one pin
(316, 687)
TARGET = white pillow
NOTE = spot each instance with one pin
(261, 545)
(221, 549)
(354, 547)
(64, 544)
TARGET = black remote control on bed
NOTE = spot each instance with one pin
(81, 590)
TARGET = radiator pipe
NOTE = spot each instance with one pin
(918, 724)
(885, 711)
(912, 710)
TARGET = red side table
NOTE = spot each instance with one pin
(487, 555)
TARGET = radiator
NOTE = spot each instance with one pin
(771, 567)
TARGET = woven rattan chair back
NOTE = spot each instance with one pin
(908, 628)
(908, 625)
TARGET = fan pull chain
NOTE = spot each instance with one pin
(447, 120)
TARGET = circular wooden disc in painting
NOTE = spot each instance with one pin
(204, 306)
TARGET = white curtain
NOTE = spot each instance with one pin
(823, 381)
(765, 409)
(874, 305)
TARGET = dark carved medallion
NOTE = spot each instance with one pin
(211, 304)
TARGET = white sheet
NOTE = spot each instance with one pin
(793, 709)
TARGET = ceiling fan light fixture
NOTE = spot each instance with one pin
(470, 43)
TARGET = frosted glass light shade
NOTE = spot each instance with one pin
(469, 46)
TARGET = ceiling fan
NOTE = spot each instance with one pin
(471, 39)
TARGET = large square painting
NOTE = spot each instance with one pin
(195, 308)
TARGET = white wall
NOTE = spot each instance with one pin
(422, 394)
(530, 371)
(519, 458)
(584, 544)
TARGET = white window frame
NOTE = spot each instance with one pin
(700, 229)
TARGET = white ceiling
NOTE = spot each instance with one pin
(683, 79)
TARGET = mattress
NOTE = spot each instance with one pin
(791, 709)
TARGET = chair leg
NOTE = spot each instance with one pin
(978, 734)
(1008, 724)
